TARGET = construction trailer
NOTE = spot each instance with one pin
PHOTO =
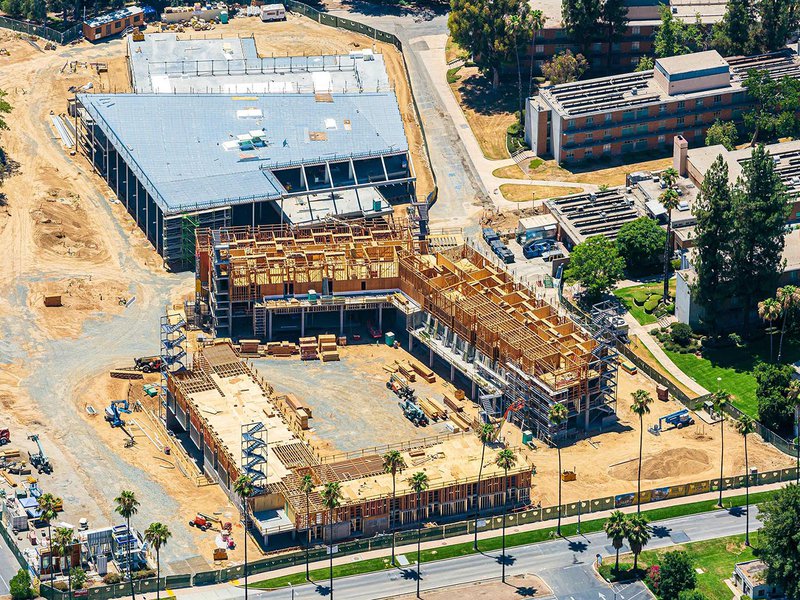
(253, 436)
(466, 310)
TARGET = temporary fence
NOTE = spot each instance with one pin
(42, 31)
(440, 532)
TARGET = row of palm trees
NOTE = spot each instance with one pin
(635, 529)
(780, 308)
(62, 539)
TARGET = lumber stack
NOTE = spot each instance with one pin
(294, 409)
(424, 372)
(329, 355)
(308, 348)
(248, 347)
(455, 405)
(327, 343)
(460, 421)
(9, 453)
(430, 408)
(281, 348)
(439, 406)
(459, 394)
(126, 374)
(407, 371)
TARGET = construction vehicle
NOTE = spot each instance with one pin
(39, 460)
(113, 412)
(147, 364)
(204, 522)
(413, 413)
(678, 420)
(5, 436)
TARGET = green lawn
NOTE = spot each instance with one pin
(626, 296)
(734, 367)
(715, 557)
(494, 543)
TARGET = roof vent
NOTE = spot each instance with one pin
(634, 91)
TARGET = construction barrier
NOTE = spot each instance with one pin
(42, 31)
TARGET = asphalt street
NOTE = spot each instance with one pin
(564, 564)
(8, 567)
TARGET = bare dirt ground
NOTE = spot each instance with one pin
(527, 193)
(606, 464)
(611, 173)
(517, 586)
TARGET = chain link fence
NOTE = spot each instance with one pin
(42, 31)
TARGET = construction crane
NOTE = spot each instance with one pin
(514, 406)
(39, 459)
(678, 420)
(113, 412)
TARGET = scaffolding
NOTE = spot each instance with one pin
(172, 335)
(254, 454)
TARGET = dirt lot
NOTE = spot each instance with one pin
(611, 172)
(607, 464)
(517, 586)
(525, 193)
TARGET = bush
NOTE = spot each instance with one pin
(640, 297)
(112, 578)
(144, 574)
(20, 586)
(681, 334)
(675, 264)
(515, 129)
(61, 586)
(452, 75)
(651, 304)
(677, 574)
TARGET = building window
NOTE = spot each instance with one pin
(571, 124)
(641, 113)
(698, 133)
(597, 47)
(590, 120)
(641, 128)
(588, 153)
(662, 125)
(570, 139)
(607, 134)
(636, 30)
(661, 139)
(717, 99)
(606, 147)
(570, 155)
(662, 108)
(627, 115)
(717, 114)
(608, 117)
(98, 31)
(634, 45)
(539, 49)
(680, 120)
(681, 105)
(588, 137)
(627, 130)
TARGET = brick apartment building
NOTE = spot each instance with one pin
(619, 114)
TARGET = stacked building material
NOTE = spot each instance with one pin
(308, 348)
(248, 347)
(407, 371)
(294, 409)
(281, 348)
(453, 404)
(327, 347)
(424, 372)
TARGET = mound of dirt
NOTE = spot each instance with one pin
(669, 463)
(63, 227)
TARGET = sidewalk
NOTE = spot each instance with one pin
(386, 552)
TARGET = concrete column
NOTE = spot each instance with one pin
(108, 164)
(430, 358)
(380, 317)
(302, 322)
(586, 416)
(94, 143)
(136, 196)
(472, 395)
(452, 372)
(269, 326)
(341, 320)
(410, 342)
(147, 215)
(116, 175)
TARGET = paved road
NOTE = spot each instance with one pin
(564, 564)
(8, 567)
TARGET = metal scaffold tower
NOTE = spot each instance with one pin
(254, 453)
(173, 335)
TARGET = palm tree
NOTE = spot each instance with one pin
(47, 506)
(62, 545)
(789, 298)
(640, 406)
(419, 483)
(770, 310)
(244, 488)
(392, 463)
(485, 435)
(616, 528)
(307, 486)
(126, 506)
(793, 393)
(515, 26)
(558, 414)
(669, 200)
(638, 535)
(157, 535)
(746, 426)
(506, 459)
(719, 400)
(331, 499)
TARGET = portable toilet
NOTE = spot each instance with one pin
(376, 205)
(223, 17)
(389, 339)
(527, 436)
(312, 296)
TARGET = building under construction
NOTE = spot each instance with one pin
(230, 421)
(469, 313)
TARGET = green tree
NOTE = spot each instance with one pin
(596, 264)
(518, 26)
(20, 586)
(614, 23)
(789, 298)
(331, 499)
(616, 528)
(692, 595)
(243, 487)
(669, 200)
(564, 67)
(580, 18)
(13, 8)
(126, 505)
(640, 405)
(639, 533)
(760, 209)
(641, 243)
(61, 544)
(47, 506)
(779, 539)
(713, 241)
(745, 426)
(775, 103)
(157, 535)
(733, 35)
(776, 20)
(5, 108)
(419, 483)
(677, 574)
(724, 133)
(674, 37)
(720, 400)
(646, 63)
(536, 21)
(481, 27)
(485, 435)
(506, 459)
(79, 578)
(770, 311)
(774, 405)
(393, 462)
(793, 395)
(557, 416)
(307, 486)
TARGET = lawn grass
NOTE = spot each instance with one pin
(528, 193)
(716, 558)
(734, 367)
(494, 543)
(643, 352)
(626, 297)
